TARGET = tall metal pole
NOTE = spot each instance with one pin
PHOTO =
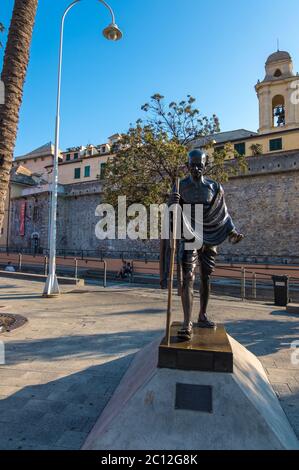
(171, 268)
(51, 287)
(254, 286)
(243, 284)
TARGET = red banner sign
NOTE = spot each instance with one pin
(22, 218)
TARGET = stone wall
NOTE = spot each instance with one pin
(264, 205)
(76, 222)
(36, 221)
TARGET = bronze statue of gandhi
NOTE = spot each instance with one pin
(217, 226)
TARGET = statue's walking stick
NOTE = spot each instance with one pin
(171, 267)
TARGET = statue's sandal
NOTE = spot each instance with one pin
(206, 324)
(185, 334)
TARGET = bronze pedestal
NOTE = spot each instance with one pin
(209, 350)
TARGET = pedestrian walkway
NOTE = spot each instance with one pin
(64, 364)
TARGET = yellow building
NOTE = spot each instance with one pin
(278, 96)
(278, 100)
(76, 164)
(83, 164)
(83, 168)
(37, 160)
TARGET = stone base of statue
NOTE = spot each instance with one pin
(183, 408)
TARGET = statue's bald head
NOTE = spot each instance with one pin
(197, 162)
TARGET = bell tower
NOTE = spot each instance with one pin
(278, 95)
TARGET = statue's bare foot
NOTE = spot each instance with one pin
(203, 322)
(185, 333)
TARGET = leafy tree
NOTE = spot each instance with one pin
(16, 58)
(256, 149)
(154, 152)
(181, 122)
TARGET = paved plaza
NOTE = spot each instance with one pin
(64, 364)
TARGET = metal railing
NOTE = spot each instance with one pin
(247, 282)
(82, 254)
(152, 255)
(258, 259)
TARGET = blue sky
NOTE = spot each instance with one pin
(213, 50)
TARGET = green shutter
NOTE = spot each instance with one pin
(103, 169)
(77, 173)
(87, 171)
(275, 144)
(240, 148)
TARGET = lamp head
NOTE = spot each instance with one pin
(112, 32)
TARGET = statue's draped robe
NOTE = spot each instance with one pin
(217, 225)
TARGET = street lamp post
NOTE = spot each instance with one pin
(112, 33)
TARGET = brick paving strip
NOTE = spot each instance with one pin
(64, 364)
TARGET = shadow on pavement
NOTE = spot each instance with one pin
(284, 313)
(80, 347)
(145, 311)
(20, 296)
(59, 414)
(263, 337)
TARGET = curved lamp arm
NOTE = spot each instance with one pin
(101, 1)
(61, 39)
(110, 9)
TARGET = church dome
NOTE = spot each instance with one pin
(278, 56)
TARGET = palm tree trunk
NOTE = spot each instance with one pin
(13, 75)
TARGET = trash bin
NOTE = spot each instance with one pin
(281, 290)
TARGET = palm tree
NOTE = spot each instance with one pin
(1, 31)
(16, 58)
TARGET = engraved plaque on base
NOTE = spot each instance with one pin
(194, 397)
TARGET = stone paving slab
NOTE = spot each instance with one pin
(63, 366)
